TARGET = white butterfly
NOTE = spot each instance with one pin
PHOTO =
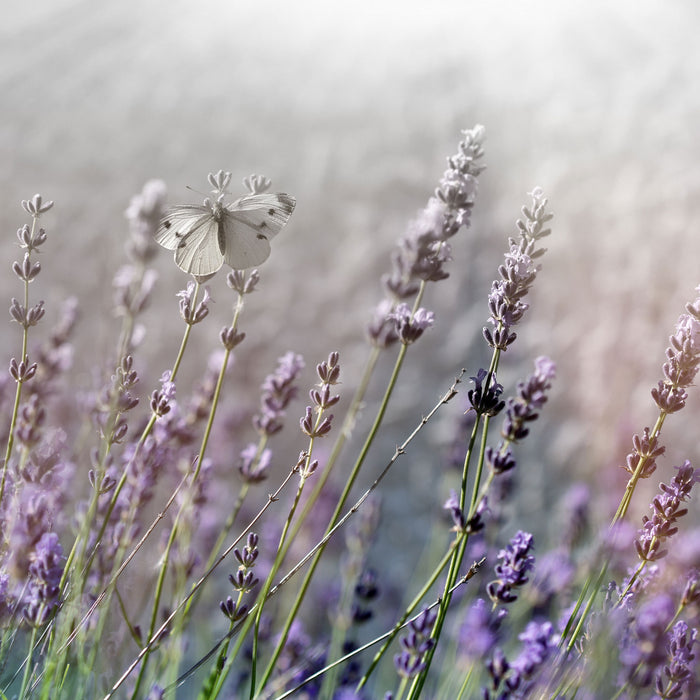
(238, 234)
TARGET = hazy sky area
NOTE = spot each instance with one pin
(353, 108)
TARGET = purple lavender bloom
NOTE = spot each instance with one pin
(45, 571)
(415, 644)
(191, 313)
(646, 448)
(458, 517)
(531, 396)
(409, 326)
(423, 251)
(538, 643)
(643, 649)
(479, 632)
(676, 674)
(254, 468)
(517, 274)
(486, 400)
(575, 506)
(682, 361)
(278, 390)
(667, 509)
(516, 562)
(517, 679)
(381, 330)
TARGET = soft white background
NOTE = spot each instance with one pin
(353, 107)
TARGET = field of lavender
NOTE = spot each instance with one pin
(143, 419)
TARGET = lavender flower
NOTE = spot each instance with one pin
(516, 679)
(278, 389)
(531, 396)
(643, 649)
(423, 251)
(252, 466)
(516, 562)
(421, 254)
(645, 448)
(517, 274)
(682, 361)
(486, 400)
(191, 313)
(415, 645)
(667, 510)
(329, 374)
(677, 672)
(409, 326)
(479, 632)
(45, 570)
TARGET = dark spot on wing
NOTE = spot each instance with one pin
(182, 244)
(166, 224)
(260, 237)
(262, 225)
(271, 212)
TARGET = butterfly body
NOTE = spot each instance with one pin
(205, 237)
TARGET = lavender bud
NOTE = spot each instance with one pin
(257, 183)
(36, 206)
(23, 371)
(230, 337)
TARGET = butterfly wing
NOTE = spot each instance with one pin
(197, 251)
(248, 225)
(178, 222)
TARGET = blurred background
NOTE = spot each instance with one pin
(353, 109)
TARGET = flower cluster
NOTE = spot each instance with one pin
(682, 361)
(516, 562)
(422, 253)
(667, 509)
(415, 645)
(517, 273)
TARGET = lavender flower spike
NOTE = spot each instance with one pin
(517, 274)
(516, 562)
(677, 673)
(683, 361)
(667, 509)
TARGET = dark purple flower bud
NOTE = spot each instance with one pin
(23, 371)
(415, 644)
(243, 581)
(409, 325)
(229, 609)
(366, 587)
(458, 517)
(486, 400)
(500, 460)
(516, 562)
(230, 337)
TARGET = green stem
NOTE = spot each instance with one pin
(338, 509)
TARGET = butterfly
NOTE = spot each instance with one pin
(238, 234)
